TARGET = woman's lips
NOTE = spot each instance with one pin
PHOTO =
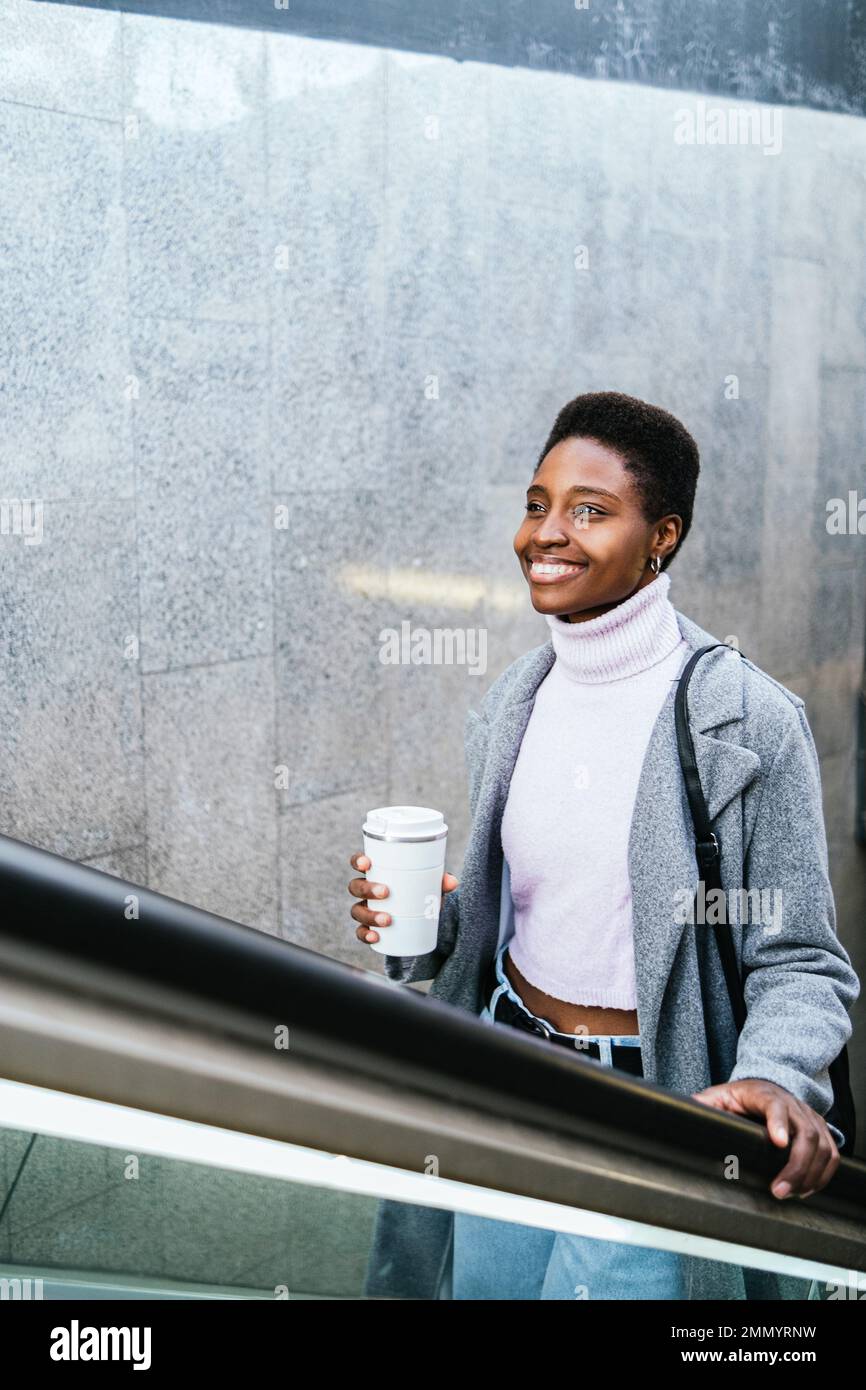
(553, 571)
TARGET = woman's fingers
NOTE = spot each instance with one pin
(369, 917)
(825, 1160)
(797, 1172)
(363, 888)
(825, 1173)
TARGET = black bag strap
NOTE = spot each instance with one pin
(707, 847)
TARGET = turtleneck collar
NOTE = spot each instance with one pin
(629, 638)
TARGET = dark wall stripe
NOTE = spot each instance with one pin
(792, 52)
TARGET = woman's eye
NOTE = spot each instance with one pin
(583, 506)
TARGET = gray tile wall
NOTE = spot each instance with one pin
(285, 324)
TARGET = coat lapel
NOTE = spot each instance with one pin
(500, 754)
(661, 842)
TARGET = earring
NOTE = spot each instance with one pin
(655, 563)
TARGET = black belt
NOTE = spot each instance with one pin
(506, 1011)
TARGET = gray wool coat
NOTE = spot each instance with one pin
(760, 775)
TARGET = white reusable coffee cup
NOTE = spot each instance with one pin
(406, 849)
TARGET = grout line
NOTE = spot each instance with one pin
(135, 479)
(114, 849)
(269, 337)
(58, 111)
(206, 665)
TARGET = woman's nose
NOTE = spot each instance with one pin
(551, 528)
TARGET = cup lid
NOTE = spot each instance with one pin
(405, 822)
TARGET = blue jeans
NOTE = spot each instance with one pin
(505, 1260)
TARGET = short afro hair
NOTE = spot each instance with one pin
(654, 446)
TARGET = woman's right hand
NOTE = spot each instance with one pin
(374, 919)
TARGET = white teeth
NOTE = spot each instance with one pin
(540, 568)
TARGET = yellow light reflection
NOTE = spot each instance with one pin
(411, 585)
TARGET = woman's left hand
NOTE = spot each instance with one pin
(814, 1156)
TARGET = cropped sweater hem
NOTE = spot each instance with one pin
(600, 996)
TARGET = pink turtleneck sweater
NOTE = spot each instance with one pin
(567, 819)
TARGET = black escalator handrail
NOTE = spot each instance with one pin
(57, 903)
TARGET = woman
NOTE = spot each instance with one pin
(575, 785)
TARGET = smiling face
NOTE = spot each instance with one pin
(585, 544)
